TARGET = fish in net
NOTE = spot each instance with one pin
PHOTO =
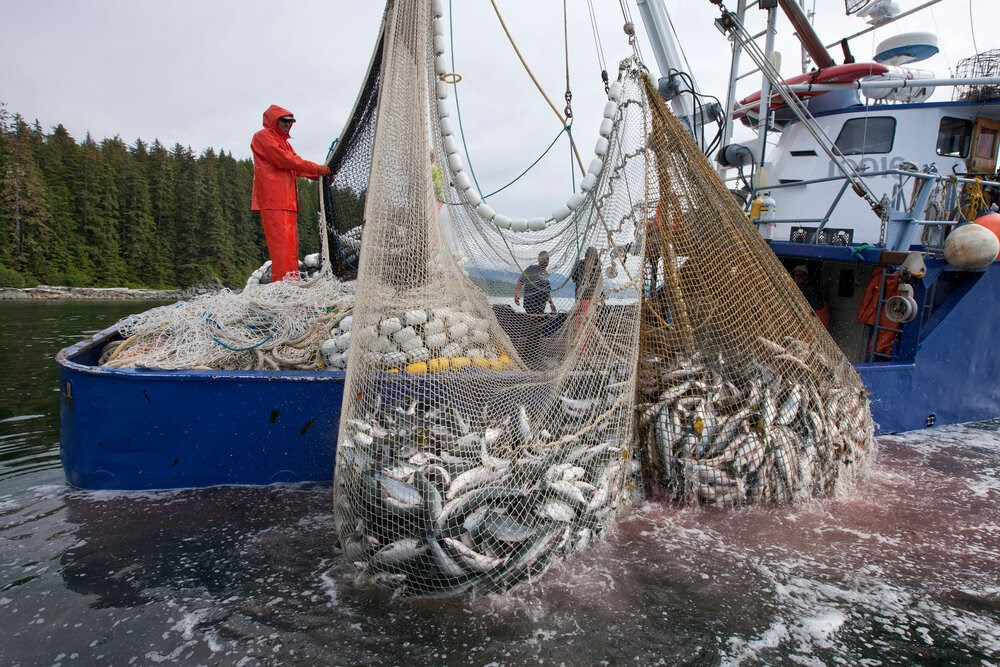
(746, 399)
(480, 444)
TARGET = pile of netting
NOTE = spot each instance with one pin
(480, 443)
(277, 326)
(746, 399)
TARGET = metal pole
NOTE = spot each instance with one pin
(765, 100)
(654, 17)
(734, 66)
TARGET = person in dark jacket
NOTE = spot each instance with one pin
(276, 168)
(534, 282)
(537, 289)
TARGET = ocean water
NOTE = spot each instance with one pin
(901, 568)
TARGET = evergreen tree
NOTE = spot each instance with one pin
(138, 226)
(60, 165)
(99, 217)
(161, 174)
(26, 233)
(307, 220)
(111, 214)
(217, 231)
(249, 246)
(190, 269)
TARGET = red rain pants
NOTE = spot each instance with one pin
(282, 233)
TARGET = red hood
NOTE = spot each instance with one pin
(271, 116)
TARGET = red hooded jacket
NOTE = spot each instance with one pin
(276, 166)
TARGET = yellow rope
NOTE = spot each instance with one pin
(975, 202)
(527, 69)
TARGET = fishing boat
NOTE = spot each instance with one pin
(868, 180)
(924, 356)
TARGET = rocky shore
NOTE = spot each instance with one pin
(54, 293)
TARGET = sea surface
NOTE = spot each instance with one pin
(901, 569)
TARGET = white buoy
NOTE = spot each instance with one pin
(971, 247)
(486, 212)
(389, 326)
(577, 198)
(472, 197)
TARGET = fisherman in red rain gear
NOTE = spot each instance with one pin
(888, 330)
(276, 168)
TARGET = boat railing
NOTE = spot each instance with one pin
(917, 198)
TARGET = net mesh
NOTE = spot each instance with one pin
(350, 162)
(746, 398)
(277, 326)
(480, 443)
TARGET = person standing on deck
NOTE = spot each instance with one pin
(276, 168)
(589, 280)
(534, 282)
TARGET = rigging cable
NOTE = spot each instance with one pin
(454, 86)
(598, 46)
(569, 102)
(527, 69)
(539, 159)
(972, 29)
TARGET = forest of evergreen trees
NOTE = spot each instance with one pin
(107, 214)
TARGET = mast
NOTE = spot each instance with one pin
(665, 50)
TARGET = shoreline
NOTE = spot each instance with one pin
(58, 293)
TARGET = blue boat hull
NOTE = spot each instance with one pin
(129, 429)
(954, 376)
(946, 369)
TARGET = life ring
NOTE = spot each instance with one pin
(834, 74)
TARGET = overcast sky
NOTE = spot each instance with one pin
(201, 72)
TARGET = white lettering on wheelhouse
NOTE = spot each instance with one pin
(868, 165)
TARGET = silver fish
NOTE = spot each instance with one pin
(472, 559)
(568, 491)
(557, 510)
(398, 553)
(504, 528)
(445, 563)
(470, 479)
(790, 408)
(770, 345)
(403, 494)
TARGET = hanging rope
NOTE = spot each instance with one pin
(569, 93)
(531, 166)
(562, 120)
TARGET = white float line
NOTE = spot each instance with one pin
(463, 183)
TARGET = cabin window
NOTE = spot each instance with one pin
(861, 136)
(986, 144)
(954, 137)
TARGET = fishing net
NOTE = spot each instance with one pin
(746, 398)
(343, 191)
(479, 442)
(283, 325)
